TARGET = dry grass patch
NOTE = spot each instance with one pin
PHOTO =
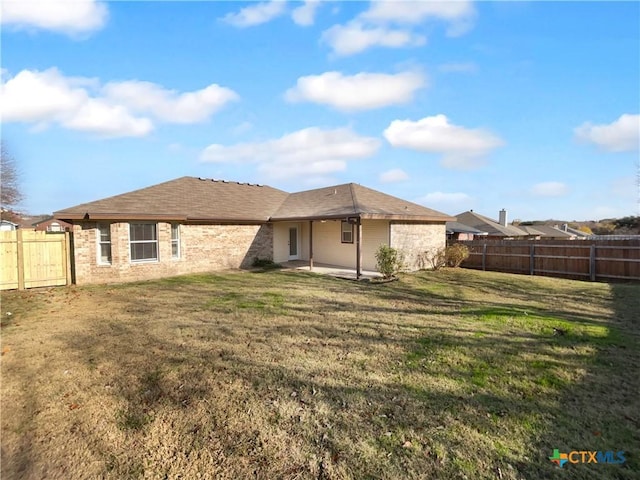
(450, 374)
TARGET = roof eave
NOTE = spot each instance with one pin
(405, 217)
(233, 221)
(156, 217)
(118, 216)
(367, 216)
(313, 217)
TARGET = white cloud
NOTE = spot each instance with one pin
(39, 96)
(304, 15)
(465, 67)
(393, 175)
(459, 14)
(442, 198)
(550, 189)
(256, 14)
(99, 117)
(460, 147)
(71, 17)
(169, 105)
(373, 28)
(623, 135)
(48, 97)
(355, 37)
(363, 91)
(311, 151)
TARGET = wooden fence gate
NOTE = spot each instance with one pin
(34, 259)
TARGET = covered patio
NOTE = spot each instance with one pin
(340, 228)
(331, 270)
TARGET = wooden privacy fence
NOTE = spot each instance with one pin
(34, 259)
(579, 259)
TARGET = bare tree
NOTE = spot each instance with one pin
(10, 194)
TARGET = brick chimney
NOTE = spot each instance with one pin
(503, 217)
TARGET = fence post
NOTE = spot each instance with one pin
(20, 255)
(592, 263)
(67, 256)
(484, 256)
(532, 258)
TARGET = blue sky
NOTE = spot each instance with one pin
(529, 106)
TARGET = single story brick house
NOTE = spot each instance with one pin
(191, 225)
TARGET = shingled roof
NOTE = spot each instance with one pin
(488, 225)
(351, 199)
(457, 227)
(548, 231)
(182, 199)
(197, 199)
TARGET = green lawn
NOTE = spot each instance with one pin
(445, 375)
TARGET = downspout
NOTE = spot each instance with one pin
(310, 245)
(358, 260)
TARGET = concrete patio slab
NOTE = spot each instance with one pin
(331, 270)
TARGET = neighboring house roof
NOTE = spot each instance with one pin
(13, 218)
(41, 219)
(36, 219)
(575, 232)
(548, 231)
(196, 199)
(529, 230)
(490, 226)
(185, 198)
(457, 227)
(48, 219)
(351, 199)
(7, 222)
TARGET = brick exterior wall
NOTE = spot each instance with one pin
(414, 239)
(203, 248)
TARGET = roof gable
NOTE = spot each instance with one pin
(351, 199)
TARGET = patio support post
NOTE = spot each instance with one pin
(310, 245)
(358, 259)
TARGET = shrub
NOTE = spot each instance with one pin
(265, 263)
(435, 258)
(456, 254)
(389, 261)
(451, 256)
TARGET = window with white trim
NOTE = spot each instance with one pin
(346, 230)
(175, 240)
(143, 242)
(104, 243)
